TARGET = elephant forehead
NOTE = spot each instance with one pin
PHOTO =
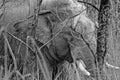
(60, 42)
(49, 4)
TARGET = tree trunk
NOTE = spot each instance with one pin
(102, 34)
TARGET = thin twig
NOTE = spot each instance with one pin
(11, 52)
(19, 48)
(21, 41)
(43, 65)
(57, 75)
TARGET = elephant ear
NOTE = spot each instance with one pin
(82, 23)
(86, 27)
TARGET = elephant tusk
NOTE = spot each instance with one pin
(111, 66)
(82, 67)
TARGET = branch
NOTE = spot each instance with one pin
(88, 46)
(90, 5)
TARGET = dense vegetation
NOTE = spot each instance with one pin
(29, 36)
